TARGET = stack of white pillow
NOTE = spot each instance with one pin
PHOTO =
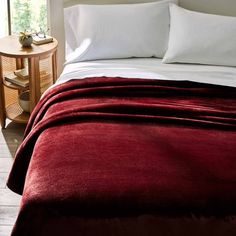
(159, 29)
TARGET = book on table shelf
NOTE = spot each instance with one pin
(21, 77)
(14, 79)
(42, 40)
(22, 73)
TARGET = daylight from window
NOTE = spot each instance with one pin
(28, 15)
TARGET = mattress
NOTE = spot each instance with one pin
(150, 68)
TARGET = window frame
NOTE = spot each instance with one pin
(9, 16)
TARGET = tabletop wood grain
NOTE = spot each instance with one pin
(10, 47)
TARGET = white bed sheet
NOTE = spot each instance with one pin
(149, 68)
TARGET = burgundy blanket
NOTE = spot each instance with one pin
(102, 148)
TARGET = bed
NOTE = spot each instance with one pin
(131, 147)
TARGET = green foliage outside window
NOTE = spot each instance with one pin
(28, 15)
(43, 18)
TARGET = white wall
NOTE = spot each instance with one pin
(3, 18)
(222, 7)
(56, 26)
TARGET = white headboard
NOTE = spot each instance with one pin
(56, 19)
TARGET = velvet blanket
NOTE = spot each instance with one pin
(113, 147)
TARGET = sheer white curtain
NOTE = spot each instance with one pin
(3, 18)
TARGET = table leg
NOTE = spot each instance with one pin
(34, 81)
(19, 63)
(54, 66)
(2, 98)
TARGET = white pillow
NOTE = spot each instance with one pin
(117, 31)
(201, 38)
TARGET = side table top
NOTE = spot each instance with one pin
(10, 47)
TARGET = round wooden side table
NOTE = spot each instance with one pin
(41, 63)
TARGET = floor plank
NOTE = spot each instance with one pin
(3, 179)
(10, 139)
(5, 230)
(9, 198)
(8, 215)
(5, 164)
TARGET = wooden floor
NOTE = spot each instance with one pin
(10, 138)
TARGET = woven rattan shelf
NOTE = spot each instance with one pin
(14, 112)
(41, 63)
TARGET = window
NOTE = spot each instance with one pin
(28, 15)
